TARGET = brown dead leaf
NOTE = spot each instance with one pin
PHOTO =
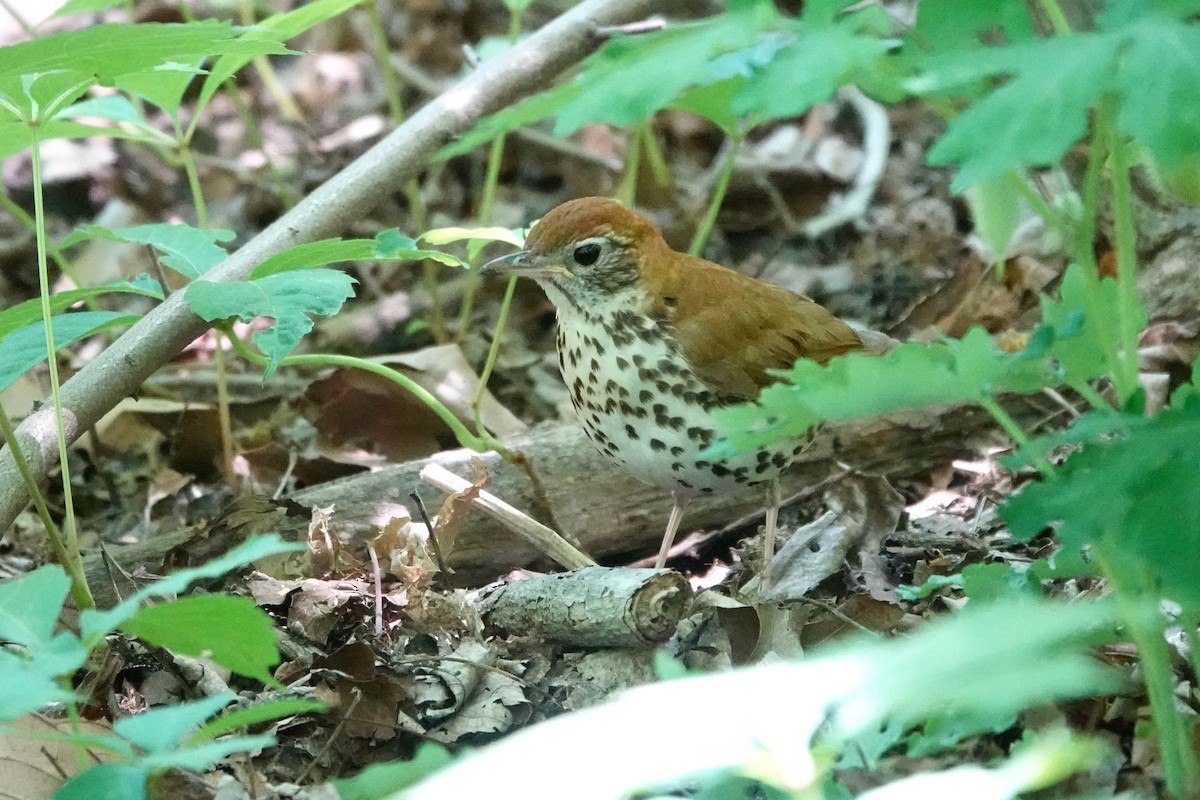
(457, 509)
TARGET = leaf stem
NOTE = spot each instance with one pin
(464, 436)
(1128, 305)
(70, 544)
(1058, 20)
(704, 230)
(1016, 433)
(633, 159)
(1144, 622)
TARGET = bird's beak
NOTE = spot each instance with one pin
(522, 264)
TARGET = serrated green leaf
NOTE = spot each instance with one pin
(23, 349)
(1124, 493)
(30, 311)
(204, 756)
(255, 715)
(189, 251)
(163, 727)
(95, 624)
(286, 297)
(101, 53)
(27, 686)
(275, 29)
(1159, 68)
(30, 605)
(950, 25)
(859, 385)
(996, 209)
(389, 245)
(383, 780)
(231, 631)
(124, 781)
(825, 58)
(1034, 117)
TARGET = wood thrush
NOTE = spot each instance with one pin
(650, 340)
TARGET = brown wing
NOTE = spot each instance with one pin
(734, 328)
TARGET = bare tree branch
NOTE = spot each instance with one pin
(161, 334)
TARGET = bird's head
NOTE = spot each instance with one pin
(590, 252)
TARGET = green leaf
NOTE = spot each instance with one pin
(102, 53)
(1159, 67)
(949, 25)
(30, 605)
(287, 297)
(29, 685)
(232, 631)
(163, 728)
(1034, 117)
(255, 715)
(996, 209)
(383, 780)
(825, 58)
(84, 6)
(203, 756)
(860, 385)
(189, 251)
(275, 29)
(164, 85)
(30, 311)
(389, 245)
(106, 782)
(23, 349)
(95, 624)
(1127, 493)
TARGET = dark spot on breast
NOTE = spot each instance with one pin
(668, 366)
(594, 366)
(645, 396)
(677, 451)
(622, 363)
(639, 360)
(631, 432)
(658, 445)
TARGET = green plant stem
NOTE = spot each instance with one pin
(1058, 20)
(1086, 257)
(70, 540)
(633, 159)
(1016, 433)
(1094, 398)
(655, 158)
(390, 82)
(224, 416)
(1038, 203)
(193, 177)
(52, 249)
(271, 82)
(1128, 304)
(464, 436)
(718, 196)
(1144, 622)
(491, 181)
(79, 588)
(490, 364)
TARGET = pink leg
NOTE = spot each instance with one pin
(772, 524)
(680, 502)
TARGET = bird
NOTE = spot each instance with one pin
(650, 341)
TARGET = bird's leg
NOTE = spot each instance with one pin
(772, 523)
(679, 502)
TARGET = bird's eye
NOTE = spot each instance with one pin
(586, 254)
